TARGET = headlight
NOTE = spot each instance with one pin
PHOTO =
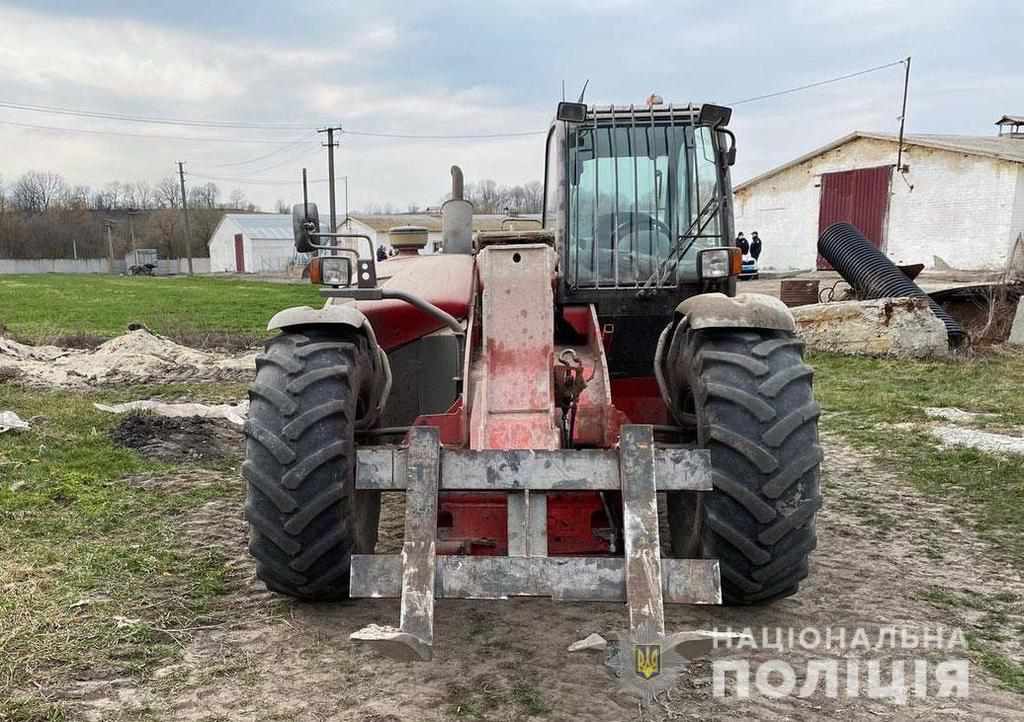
(336, 271)
(719, 262)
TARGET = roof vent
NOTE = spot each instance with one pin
(1011, 126)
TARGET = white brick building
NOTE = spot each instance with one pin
(254, 243)
(960, 200)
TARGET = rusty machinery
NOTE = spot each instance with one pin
(535, 391)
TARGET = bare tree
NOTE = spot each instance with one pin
(534, 200)
(77, 198)
(138, 195)
(167, 193)
(282, 207)
(113, 192)
(488, 197)
(35, 191)
(237, 199)
(204, 196)
(166, 228)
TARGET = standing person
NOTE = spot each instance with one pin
(755, 246)
(382, 254)
(742, 244)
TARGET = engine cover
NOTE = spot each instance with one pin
(445, 280)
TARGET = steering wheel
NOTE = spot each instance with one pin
(639, 222)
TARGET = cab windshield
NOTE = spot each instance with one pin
(638, 195)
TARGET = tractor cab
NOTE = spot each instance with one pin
(638, 201)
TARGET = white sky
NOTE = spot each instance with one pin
(448, 68)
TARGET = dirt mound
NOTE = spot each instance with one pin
(136, 357)
(179, 439)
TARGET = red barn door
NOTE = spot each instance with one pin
(859, 197)
(239, 253)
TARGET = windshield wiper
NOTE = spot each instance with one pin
(679, 250)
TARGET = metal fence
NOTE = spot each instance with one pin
(95, 265)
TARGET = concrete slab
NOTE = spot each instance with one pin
(1017, 329)
(903, 327)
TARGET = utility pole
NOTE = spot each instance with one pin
(110, 245)
(132, 212)
(347, 224)
(330, 172)
(903, 117)
(184, 207)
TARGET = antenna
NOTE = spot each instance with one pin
(583, 91)
(563, 90)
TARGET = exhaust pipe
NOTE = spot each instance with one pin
(457, 184)
(457, 218)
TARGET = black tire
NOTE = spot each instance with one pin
(305, 517)
(754, 404)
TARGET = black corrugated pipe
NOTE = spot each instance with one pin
(873, 275)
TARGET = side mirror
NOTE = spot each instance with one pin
(305, 219)
(572, 112)
(714, 115)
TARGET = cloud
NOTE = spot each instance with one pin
(123, 57)
(142, 60)
(442, 68)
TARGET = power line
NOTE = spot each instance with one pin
(461, 136)
(283, 148)
(241, 125)
(817, 84)
(292, 158)
(107, 115)
(257, 181)
(148, 136)
(235, 124)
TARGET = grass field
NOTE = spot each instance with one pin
(199, 311)
(93, 581)
(878, 404)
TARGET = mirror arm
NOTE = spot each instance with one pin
(730, 153)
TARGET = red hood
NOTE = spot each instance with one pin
(445, 280)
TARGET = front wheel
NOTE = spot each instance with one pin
(305, 517)
(752, 397)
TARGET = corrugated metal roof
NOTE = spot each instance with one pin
(1004, 148)
(1011, 149)
(263, 226)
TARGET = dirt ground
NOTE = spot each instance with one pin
(179, 440)
(881, 548)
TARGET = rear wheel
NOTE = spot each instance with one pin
(305, 517)
(754, 405)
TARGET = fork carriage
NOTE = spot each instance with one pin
(419, 575)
